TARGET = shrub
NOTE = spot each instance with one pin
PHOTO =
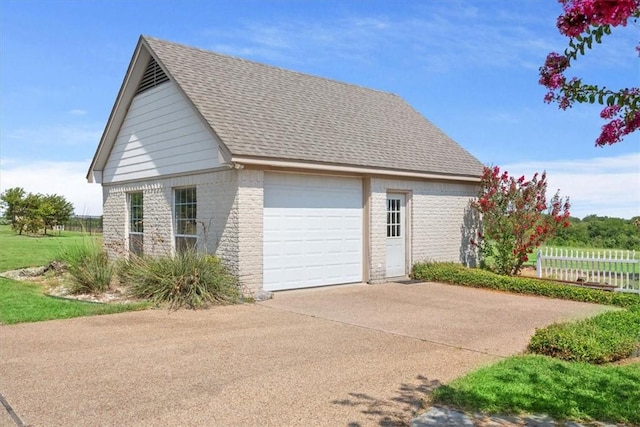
(459, 275)
(89, 267)
(601, 339)
(188, 279)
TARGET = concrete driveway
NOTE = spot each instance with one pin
(341, 356)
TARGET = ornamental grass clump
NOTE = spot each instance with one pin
(186, 280)
(89, 266)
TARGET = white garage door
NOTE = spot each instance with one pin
(312, 231)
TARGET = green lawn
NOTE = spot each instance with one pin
(32, 251)
(543, 385)
(26, 302)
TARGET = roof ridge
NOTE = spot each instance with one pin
(262, 64)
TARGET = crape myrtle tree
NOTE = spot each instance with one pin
(34, 212)
(516, 218)
(586, 22)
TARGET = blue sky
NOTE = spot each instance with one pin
(471, 67)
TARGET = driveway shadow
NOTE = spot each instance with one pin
(394, 411)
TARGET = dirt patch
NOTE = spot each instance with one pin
(628, 361)
(55, 281)
(31, 273)
(113, 295)
(528, 271)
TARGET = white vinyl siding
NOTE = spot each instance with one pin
(312, 231)
(161, 135)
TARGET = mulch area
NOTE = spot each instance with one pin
(54, 279)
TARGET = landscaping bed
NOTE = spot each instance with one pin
(54, 281)
(84, 281)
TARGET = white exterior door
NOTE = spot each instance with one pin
(312, 231)
(396, 232)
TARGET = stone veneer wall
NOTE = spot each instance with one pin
(229, 211)
(441, 222)
(250, 206)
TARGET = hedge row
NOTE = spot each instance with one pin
(459, 275)
(601, 339)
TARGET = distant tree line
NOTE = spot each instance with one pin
(34, 213)
(599, 232)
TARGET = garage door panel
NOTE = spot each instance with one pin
(335, 223)
(313, 273)
(351, 223)
(335, 247)
(312, 231)
(315, 247)
(352, 247)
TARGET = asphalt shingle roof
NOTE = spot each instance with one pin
(263, 111)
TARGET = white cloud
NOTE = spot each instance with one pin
(78, 112)
(64, 178)
(605, 186)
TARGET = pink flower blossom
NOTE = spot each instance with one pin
(581, 14)
(572, 24)
(551, 73)
(616, 129)
(549, 97)
(564, 102)
(610, 112)
(611, 133)
(556, 81)
(632, 122)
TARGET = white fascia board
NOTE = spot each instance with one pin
(238, 161)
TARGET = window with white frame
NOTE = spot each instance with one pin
(185, 213)
(136, 223)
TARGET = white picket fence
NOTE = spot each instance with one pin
(620, 269)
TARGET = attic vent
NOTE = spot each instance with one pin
(152, 77)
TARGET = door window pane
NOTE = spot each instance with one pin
(393, 218)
